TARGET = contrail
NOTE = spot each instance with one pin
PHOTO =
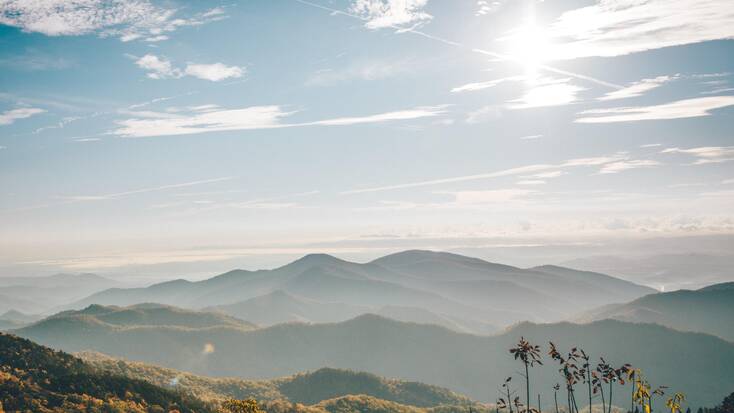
(465, 47)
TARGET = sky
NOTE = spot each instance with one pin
(185, 138)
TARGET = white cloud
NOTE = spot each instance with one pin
(547, 175)
(162, 68)
(157, 67)
(706, 154)
(126, 19)
(471, 87)
(399, 14)
(651, 145)
(10, 116)
(253, 117)
(620, 27)
(638, 88)
(727, 182)
(688, 108)
(419, 112)
(531, 137)
(214, 72)
(487, 6)
(547, 92)
(616, 167)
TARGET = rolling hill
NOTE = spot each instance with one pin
(38, 379)
(707, 310)
(468, 364)
(146, 315)
(15, 319)
(472, 292)
(305, 388)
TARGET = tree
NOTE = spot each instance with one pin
(727, 406)
(240, 406)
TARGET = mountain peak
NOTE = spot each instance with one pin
(413, 257)
(310, 260)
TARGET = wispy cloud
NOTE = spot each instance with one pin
(380, 14)
(33, 59)
(706, 154)
(126, 19)
(531, 137)
(72, 199)
(548, 175)
(620, 27)
(488, 196)
(616, 167)
(162, 68)
(362, 70)
(484, 114)
(521, 170)
(254, 117)
(547, 92)
(416, 113)
(638, 88)
(531, 182)
(10, 116)
(116, 195)
(471, 87)
(688, 108)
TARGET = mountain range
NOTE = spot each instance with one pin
(470, 364)
(463, 293)
(707, 310)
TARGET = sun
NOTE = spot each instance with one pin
(528, 45)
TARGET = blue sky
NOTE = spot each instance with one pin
(195, 136)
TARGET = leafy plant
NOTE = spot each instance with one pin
(529, 355)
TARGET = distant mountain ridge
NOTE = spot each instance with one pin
(707, 310)
(35, 295)
(404, 350)
(144, 315)
(469, 291)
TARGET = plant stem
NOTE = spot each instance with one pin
(588, 380)
(527, 386)
(610, 397)
(632, 399)
(555, 398)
